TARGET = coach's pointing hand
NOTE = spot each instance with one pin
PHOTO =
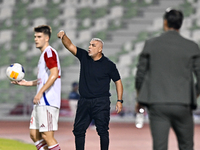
(60, 34)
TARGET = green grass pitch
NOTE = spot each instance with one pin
(7, 144)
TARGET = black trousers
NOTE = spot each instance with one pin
(88, 109)
(179, 118)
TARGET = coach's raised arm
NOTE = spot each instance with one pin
(67, 42)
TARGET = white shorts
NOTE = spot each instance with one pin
(44, 118)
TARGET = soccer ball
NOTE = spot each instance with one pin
(15, 72)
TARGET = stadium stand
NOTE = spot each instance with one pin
(124, 25)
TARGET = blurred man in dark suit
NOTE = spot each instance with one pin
(165, 83)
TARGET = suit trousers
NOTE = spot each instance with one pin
(178, 117)
(88, 109)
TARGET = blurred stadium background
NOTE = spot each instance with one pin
(123, 25)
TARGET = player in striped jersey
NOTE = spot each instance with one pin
(44, 118)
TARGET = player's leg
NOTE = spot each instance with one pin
(50, 140)
(35, 135)
(101, 115)
(38, 141)
(159, 125)
(81, 123)
(183, 126)
(48, 123)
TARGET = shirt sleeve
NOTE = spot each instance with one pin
(50, 59)
(80, 53)
(114, 73)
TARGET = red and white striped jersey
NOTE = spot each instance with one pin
(49, 59)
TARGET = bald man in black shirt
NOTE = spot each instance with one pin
(95, 75)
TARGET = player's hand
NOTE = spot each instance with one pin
(60, 34)
(118, 107)
(37, 98)
(22, 82)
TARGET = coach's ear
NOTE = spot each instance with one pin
(100, 49)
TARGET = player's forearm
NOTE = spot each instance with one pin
(28, 83)
(119, 89)
(49, 82)
(33, 83)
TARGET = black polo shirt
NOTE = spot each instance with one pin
(95, 76)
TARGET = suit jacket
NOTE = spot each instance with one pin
(166, 70)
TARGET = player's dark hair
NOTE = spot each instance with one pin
(44, 29)
(174, 18)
